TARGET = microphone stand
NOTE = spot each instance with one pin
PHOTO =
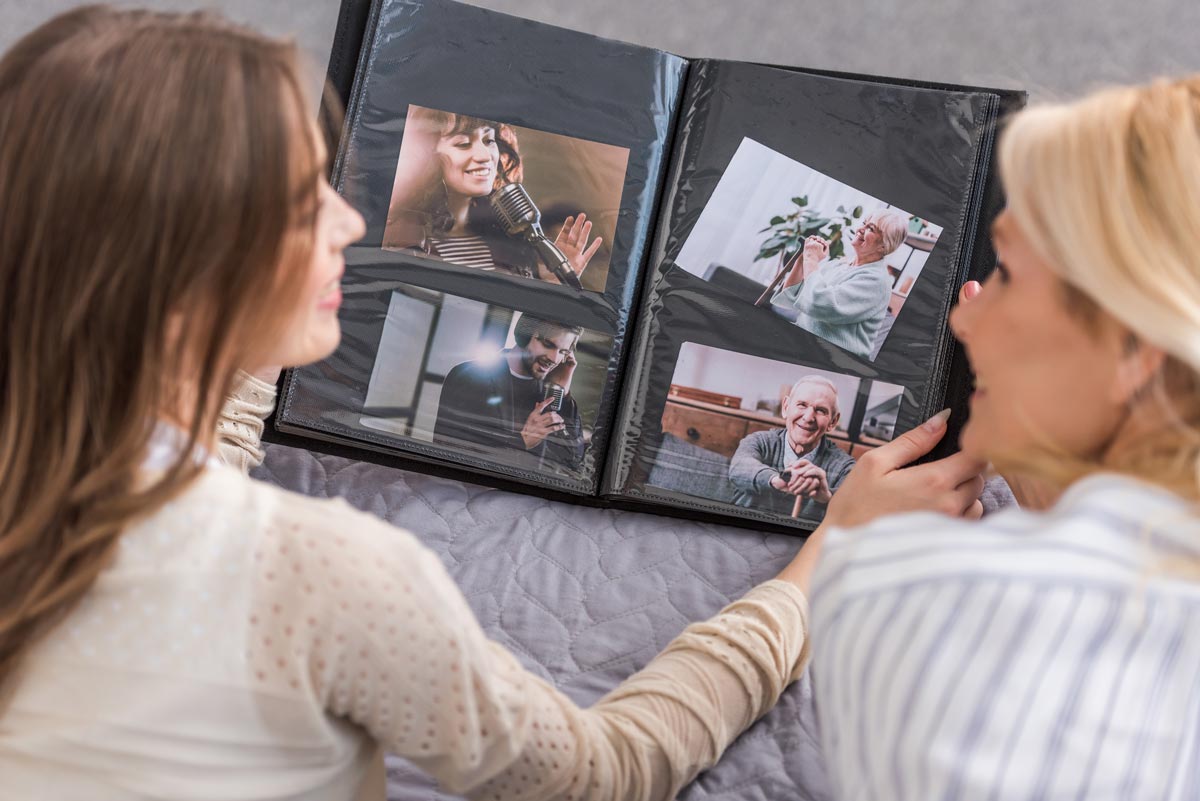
(555, 259)
(520, 216)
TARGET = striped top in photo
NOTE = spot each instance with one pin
(469, 251)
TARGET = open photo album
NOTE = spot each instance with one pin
(604, 272)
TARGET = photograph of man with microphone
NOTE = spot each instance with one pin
(481, 379)
(520, 401)
(486, 194)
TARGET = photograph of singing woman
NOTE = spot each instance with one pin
(451, 170)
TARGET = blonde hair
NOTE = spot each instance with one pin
(1107, 190)
(157, 177)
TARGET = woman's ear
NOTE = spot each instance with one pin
(1138, 366)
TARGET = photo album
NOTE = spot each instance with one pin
(606, 273)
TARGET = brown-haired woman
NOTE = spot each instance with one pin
(169, 627)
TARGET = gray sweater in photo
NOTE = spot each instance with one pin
(764, 454)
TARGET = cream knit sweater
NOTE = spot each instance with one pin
(252, 643)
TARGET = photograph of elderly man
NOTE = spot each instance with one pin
(511, 402)
(845, 300)
(793, 470)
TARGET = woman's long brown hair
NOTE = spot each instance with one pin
(158, 174)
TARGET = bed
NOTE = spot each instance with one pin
(583, 596)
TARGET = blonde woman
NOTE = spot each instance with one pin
(170, 628)
(1052, 654)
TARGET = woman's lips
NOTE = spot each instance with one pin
(331, 297)
(331, 302)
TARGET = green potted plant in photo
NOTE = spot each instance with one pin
(788, 231)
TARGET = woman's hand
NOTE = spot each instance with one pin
(816, 250)
(812, 253)
(572, 240)
(880, 484)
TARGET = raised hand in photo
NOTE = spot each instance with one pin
(572, 240)
(816, 250)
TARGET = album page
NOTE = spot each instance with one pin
(508, 173)
(814, 232)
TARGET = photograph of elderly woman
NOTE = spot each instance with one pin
(767, 435)
(453, 198)
(477, 377)
(832, 259)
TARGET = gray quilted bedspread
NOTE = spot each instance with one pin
(583, 596)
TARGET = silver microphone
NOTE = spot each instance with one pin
(520, 216)
(556, 392)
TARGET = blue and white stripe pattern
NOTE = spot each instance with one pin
(1028, 656)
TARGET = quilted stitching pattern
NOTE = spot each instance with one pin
(584, 597)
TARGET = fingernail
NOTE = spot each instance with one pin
(938, 421)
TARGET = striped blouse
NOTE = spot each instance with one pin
(469, 251)
(1029, 656)
(474, 251)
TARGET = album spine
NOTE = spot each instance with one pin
(646, 265)
(616, 466)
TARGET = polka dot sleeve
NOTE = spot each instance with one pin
(240, 426)
(365, 621)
